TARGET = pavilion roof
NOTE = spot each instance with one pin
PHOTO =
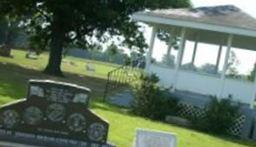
(219, 20)
(225, 15)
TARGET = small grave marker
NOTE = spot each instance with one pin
(90, 67)
(32, 55)
(147, 138)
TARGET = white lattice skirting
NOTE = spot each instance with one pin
(188, 110)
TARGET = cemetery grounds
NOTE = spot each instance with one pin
(15, 73)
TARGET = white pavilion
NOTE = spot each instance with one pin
(226, 26)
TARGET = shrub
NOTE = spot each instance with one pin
(152, 102)
(219, 117)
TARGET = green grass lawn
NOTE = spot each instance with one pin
(16, 71)
(69, 64)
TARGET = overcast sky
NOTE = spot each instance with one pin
(207, 53)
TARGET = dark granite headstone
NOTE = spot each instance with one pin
(54, 114)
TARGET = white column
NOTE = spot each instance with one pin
(225, 67)
(179, 58)
(218, 58)
(151, 46)
(254, 92)
(169, 49)
(181, 49)
(194, 52)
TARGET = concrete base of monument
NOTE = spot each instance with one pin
(12, 144)
(44, 141)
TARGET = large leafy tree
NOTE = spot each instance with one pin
(59, 23)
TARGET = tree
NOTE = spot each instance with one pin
(168, 60)
(115, 54)
(251, 76)
(60, 23)
(112, 51)
(208, 68)
(9, 31)
(163, 35)
(233, 62)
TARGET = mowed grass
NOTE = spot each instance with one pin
(69, 64)
(15, 73)
(123, 127)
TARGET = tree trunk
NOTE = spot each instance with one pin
(5, 50)
(54, 62)
(56, 48)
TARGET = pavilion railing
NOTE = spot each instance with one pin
(121, 77)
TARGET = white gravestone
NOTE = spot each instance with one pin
(147, 138)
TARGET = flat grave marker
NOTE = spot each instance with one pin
(147, 138)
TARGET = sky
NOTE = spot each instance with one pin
(208, 53)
